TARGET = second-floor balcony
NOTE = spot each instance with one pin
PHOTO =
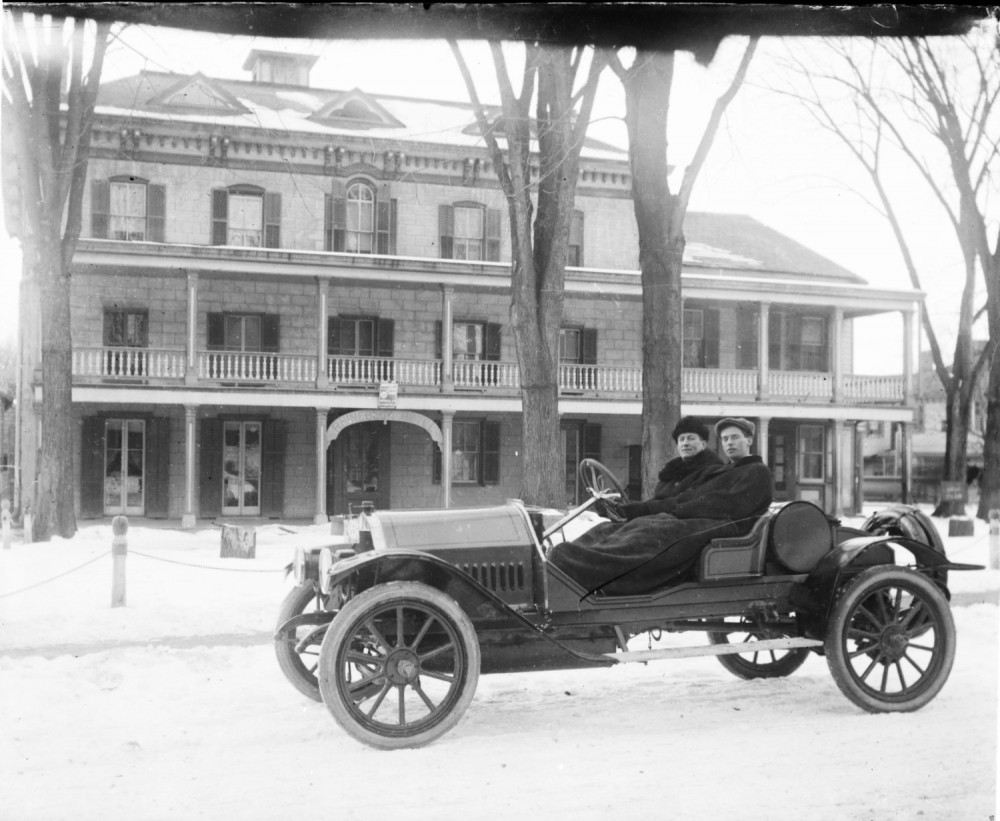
(234, 369)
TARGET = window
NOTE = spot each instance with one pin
(701, 338)
(812, 450)
(352, 338)
(475, 453)
(797, 343)
(577, 346)
(241, 468)
(467, 340)
(469, 230)
(580, 440)
(124, 466)
(247, 216)
(360, 219)
(570, 344)
(127, 208)
(125, 328)
(243, 332)
(575, 255)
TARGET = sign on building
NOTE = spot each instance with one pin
(388, 393)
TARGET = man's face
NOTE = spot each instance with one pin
(690, 445)
(735, 443)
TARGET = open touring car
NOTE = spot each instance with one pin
(392, 629)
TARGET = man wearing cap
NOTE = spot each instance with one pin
(650, 551)
(694, 460)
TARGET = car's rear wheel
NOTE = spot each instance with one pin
(757, 663)
(890, 643)
(299, 663)
(399, 665)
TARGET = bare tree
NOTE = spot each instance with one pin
(51, 71)
(900, 93)
(660, 219)
(538, 248)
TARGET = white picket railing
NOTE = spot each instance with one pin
(358, 370)
(720, 382)
(863, 388)
(801, 385)
(244, 366)
(114, 362)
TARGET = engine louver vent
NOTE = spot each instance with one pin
(498, 576)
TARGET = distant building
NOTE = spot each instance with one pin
(883, 443)
(287, 300)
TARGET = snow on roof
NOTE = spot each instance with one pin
(293, 109)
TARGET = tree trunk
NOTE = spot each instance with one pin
(661, 256)
(955, 461)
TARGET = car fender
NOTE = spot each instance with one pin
(814, 598)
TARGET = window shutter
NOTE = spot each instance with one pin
(216, 332)
(113, 329)
(272, 490)
(576, 239)
(333, 336)
(100, 208)
(92, 467)
(711, 340)
(385, 220)
(386, 332)
(210, 467)
(774, 341)
(747, 321)
(491, 453)
(156, 212)
(272, 219)
(270, 334)
(220, 216)
(591, 441)
(438, 339)
(339, 215)
(327, 222)
(492, 342)
(446, 230)
(588, 346)
(493, 234)
(435, 464)
(157, 480)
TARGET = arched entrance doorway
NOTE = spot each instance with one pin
(359, 457)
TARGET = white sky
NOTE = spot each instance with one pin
(769, 160)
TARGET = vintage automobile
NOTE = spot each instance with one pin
(392, 629)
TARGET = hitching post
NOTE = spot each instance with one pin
(995, 539)
(5, 522)
(119, 551)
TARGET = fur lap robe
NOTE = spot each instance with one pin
(677, 476)
(649, 552)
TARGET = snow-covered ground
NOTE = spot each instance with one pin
(173, 707)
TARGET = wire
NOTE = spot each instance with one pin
(46, 581)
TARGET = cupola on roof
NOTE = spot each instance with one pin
(280, 67)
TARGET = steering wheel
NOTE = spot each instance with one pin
(602, 484)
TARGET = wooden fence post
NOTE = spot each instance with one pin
(5, 522)
(119, 551)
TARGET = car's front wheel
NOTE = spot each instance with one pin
(298, 651)
(399, 665)
(890, 644)
(757, 663)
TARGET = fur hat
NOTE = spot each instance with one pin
(691, 424)
(745, 425)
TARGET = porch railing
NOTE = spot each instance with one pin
(114, 362)
(720, 382)
(804, 386)
(861, 388)
(246, 366)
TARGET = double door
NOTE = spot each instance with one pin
(358, 468)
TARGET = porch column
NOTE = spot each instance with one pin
(763, 424)
(321, 294)
(763, 348)
(446, 419)
(447, 373)
(321, 467)
(190, 418)
(837, 353)
(836, 508)
(859, 467)
(908, 356)
(191, 369)
(905, 452)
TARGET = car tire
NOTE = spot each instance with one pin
(762, 664)
(415, 680)
(890, 644)
(300, 667)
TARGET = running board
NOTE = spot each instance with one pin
(713, 650)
